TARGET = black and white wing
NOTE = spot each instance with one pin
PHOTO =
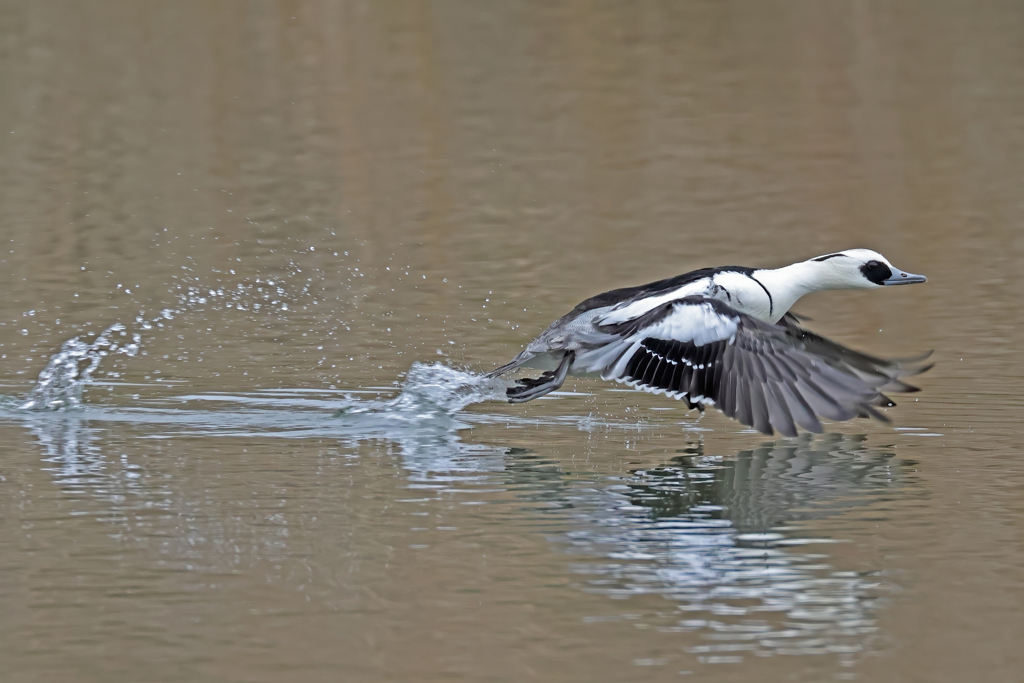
(763, 375)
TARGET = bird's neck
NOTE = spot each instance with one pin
(789, 283)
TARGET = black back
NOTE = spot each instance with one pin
(616, 296)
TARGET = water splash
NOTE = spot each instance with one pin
(429, 390)
(62, 381)
(432, 390)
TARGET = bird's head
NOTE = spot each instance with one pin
(859, 269)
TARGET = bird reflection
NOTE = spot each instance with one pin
(761, 488)
(738, 544)
(729, 541)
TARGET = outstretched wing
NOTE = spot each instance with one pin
(856, 362)
(763, 375)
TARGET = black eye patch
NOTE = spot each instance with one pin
(876, 271)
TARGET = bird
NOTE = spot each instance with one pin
(725, 337)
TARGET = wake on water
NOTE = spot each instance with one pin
(429, 391)
(429, 404)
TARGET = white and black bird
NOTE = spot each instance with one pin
(724, 337)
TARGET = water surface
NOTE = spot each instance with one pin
(273, 246)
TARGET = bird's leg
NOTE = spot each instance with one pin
(534, 387)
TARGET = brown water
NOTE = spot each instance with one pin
(319, 195)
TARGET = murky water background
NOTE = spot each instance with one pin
(291, 210)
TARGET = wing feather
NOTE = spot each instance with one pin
(653, 366)
(762, 421)
(798, 408)
(727, 394)
(778, 410)
(766, 376)
(744, 411)
(869, 368)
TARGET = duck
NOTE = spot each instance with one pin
(725, 337)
